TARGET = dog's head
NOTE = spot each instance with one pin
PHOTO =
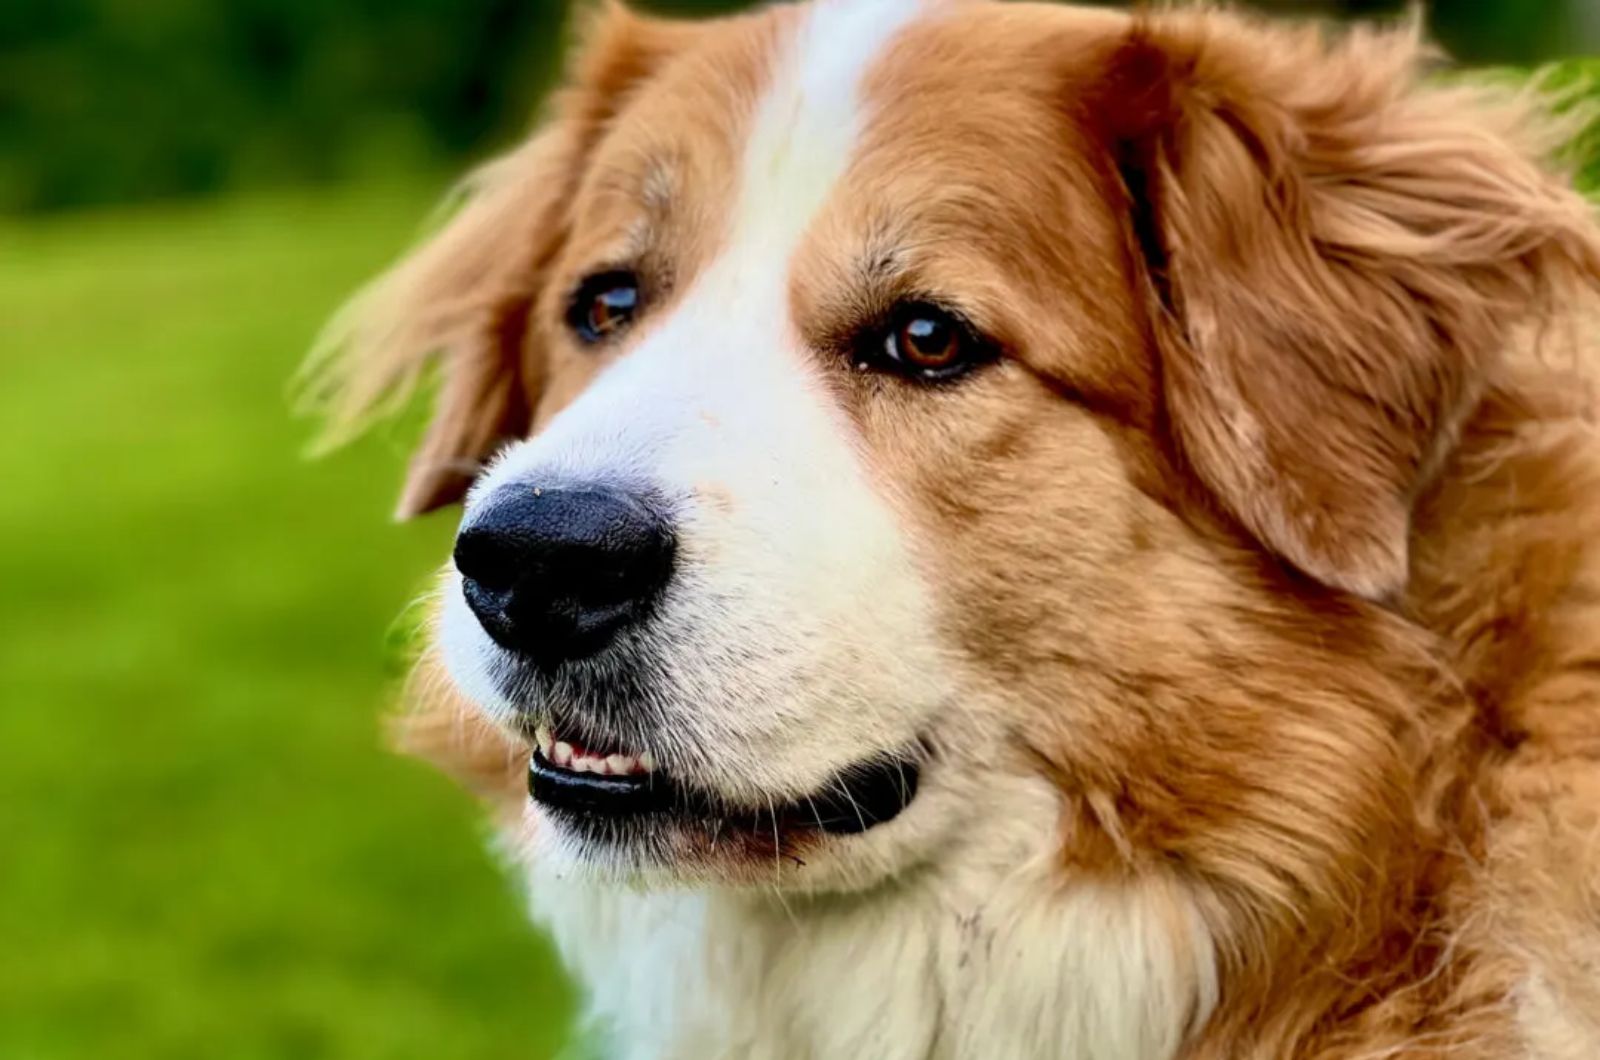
(872, 411)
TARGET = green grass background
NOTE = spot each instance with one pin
(205, 850)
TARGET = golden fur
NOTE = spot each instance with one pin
(1280, 526)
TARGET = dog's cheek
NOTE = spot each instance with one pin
(798, 624)
(1020, 511)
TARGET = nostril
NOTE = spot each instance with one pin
(488, 557)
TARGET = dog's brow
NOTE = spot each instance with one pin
(658, 186)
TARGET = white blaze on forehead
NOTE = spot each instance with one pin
(795, 627)
(807, 125)
(729, 342)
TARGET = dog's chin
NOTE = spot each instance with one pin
(628, 815)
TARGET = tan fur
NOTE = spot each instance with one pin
(1290, 185)
(464, 297)
(1275, 529)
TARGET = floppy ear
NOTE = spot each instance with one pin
(1334, 254)
(461, 301)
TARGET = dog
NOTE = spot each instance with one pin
(1010, 530)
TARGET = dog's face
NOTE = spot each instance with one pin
(792, 318)
(912, 407)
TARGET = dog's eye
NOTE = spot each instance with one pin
(603, 305)
(925, 342)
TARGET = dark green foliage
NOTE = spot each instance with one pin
(118, 100)
(106, 100)
(1479, 31)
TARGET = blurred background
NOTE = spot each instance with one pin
(204, 848)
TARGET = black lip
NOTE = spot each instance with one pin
(857, 798)
(596, 793)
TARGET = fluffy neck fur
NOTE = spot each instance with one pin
(989, 953)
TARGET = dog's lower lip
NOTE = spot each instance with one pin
(867, 794)
(858, 798)
(596, 793)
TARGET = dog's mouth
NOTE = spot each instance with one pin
(595, 783)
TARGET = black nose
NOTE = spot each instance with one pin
(554, 574)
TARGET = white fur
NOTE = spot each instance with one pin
(794, 640)
(991, 955)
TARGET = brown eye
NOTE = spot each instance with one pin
(925, 342)
(928, 342)
(603, 305)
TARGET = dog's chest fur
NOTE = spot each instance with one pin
(992, 956)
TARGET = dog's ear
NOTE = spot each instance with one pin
(1333, 252)
(461, 300)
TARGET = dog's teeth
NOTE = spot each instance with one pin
(579, 760)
